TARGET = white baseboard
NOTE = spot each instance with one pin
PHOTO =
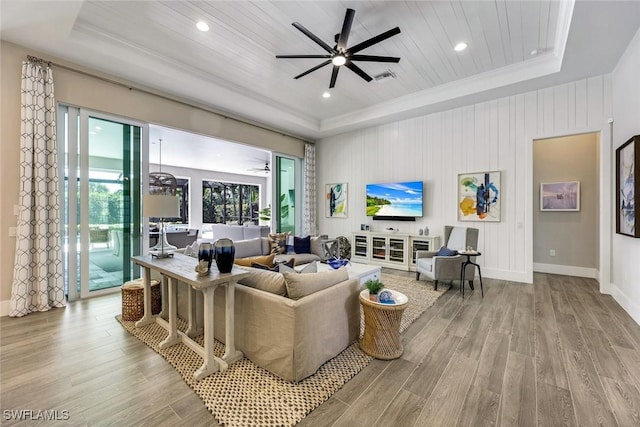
(512, 276)
(4, 308)
(630, 306)
(566, 270)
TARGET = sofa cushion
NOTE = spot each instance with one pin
(316, 246)
(265, 280)
(278, 242)
(267, 260)
(309, 268)
(302, 245)
(301, 285)
(300, 258)
(247, 248)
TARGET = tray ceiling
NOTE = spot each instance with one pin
(512, 45)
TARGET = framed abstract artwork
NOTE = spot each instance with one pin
(627, 187)
(479, 196)
(560, 196)
(336, 200)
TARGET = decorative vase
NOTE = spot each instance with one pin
(205, 258)
(224, 254)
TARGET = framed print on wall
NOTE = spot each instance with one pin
(479, 196)
(560, 196)
(627, 187)
(336, 200)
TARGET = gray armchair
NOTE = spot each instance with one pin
(437, 268)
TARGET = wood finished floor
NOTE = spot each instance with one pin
(549, 354)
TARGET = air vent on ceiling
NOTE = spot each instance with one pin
(384, 76)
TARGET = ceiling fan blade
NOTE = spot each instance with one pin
(353, 67)
(313, 69)
(373, 58)
(334, 76)
(313, 37)
(346, 29)
(373, 40)
(303, 56)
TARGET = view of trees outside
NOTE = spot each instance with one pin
(224, 202)
(105, 203)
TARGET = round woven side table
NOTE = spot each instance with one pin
(133, 299)
(381, 337)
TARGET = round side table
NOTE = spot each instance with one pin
(381, 337)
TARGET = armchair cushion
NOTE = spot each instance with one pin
(457, 239)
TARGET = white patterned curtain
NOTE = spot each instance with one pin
(37, 274)
(310, 226)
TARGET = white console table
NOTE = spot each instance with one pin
(393, 250)
(181, 269)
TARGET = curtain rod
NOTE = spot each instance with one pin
(166, 97)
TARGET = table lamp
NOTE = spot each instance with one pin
(161, 206)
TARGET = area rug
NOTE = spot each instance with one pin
(247, 395)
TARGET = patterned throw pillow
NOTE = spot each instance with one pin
(278, 242)
(275, 268)
(445, 251)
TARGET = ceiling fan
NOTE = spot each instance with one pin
(265, 169)
(339, 54)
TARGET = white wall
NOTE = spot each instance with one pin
(626, 114)
(494, 135)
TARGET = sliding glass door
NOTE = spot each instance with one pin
(102, 194)
(286, 180)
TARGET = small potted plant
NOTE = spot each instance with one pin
(374, 286)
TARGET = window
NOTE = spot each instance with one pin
(227, 202)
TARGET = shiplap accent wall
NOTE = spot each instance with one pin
(626, 109)
(488, 136)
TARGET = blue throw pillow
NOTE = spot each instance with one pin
(302, 245)
(445, 251)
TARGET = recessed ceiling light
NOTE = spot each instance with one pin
(326, 95)
(202, 26)
(339, 60)
(460, 47)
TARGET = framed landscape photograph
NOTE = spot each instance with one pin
(336, 200)
(560, 196)
(627, 187)
(479, 196)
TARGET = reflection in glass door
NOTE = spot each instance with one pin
(286, 195)
(102, 197)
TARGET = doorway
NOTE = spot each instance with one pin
(566, 237)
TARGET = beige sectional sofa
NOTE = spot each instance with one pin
(287, 323)
(292, 338)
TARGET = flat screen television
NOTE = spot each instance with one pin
(401, 201)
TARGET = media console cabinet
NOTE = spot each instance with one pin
(389, 249)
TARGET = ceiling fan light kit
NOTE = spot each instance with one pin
(340, 55)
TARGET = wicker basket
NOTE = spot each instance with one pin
(133, 299)
(381, 337)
